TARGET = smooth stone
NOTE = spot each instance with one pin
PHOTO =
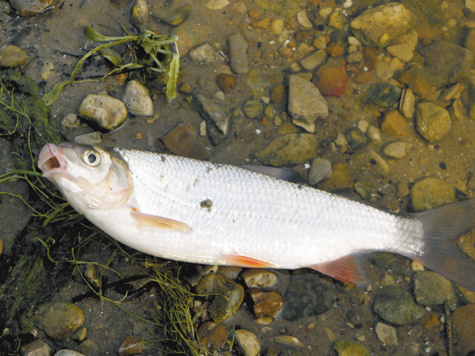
(204, 54)
(431, 193)
(12, 56)
(131, 346)
(430, 321)
(402, 51)
(340, 180)
(36, 348)
(380, 25)
(350, 348)
(92, 138)
(320, 169)
(380, 161)
(374, 134)
(278, 94)
(395, 149)
(258, 278)
(470, 5)
(140, 14)
(289, 149)
(289, 341)
(313, 60)
(88, 347)
(226, 82)
(386, 334)
(463, 322)
(247, 342)
(407, 104)
(70, 121)
(217, 117)
(238, 54)
(355, 57)
(104, 110)
(337, 19)
(382, 95)
(183, 140)
(363, 189)
(395, 125)
(137, 99)
(332, 77)
(212, 335)
(432, 121)
(277, 26)
(253, 109)
(396, 306)
(26, 8)
(67, 353)
(384, 71)
(431, 288)
(356, 139)
(266, 303)
(59, 320)
(415, 79)
(191, 36)
(172, 17)
(217, 4)
(286, 9)
(306, 104)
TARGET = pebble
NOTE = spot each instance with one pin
(402, 51)
(226, 82)
(266, 303)
(265, 23)
(183, 140)
(104, 110)
(431, 288)
(320, 169)
(67, 353)
(380, 161)
(277, 94)
(313, 60)
(254, 109)
(332, 78)
(374, 134)
(382, 95)
(217, 117)
(12, 56)
(384, 71)
(414, 79)
(386, 334)
(407, 104)
(356, 139)
(26, 8)
(237, 53)
(320, 42)
(432, 121)
(204, 54)
(140, 14)
(303, 19)
(258, 278)
(212, 335)
(430, 193)
(350, 348)
(190, 36)
(363, 126)
(395, 149)
(92, 138)
(36, 348)
(363, 189)
(137, 99)
(172, 17)
(247, 342)
(463, 321)
(59, 320)
(70, 121)
(430, 321)
(289, 149)
(217, 4)
(341, 178)
(277, 26)
(396, 306)
(394, 124)
(289, 341)
(306, 104)
(131, 346)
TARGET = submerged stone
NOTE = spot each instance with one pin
(430, 193)
(60, 319)
(396, 306)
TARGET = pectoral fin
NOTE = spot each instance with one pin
(244, 261)
(347, 269)
(152, 221)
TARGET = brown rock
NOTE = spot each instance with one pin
(340, 179)
(335, 50)
(59, 320)
(266, 303)
(414, 80)
(212, 335)
(277, 94)
(463, 321)
(131, 346)
(332, 78)
(226, 82)
(430, 321)
(394, 124)
(184, 141)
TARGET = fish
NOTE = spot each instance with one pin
(195, 211)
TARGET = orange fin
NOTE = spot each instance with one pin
(347, 269)
(244, 261)
(146, 220)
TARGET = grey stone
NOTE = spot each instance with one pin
(431, 288)
(313, 60)
(204, 54)
(218, 118)
(319, 170)
(254, 109)
(386, 334)
(27, 8)
(396, 306)
(137, 99)
(238, 53)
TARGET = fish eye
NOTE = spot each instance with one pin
(91, 158)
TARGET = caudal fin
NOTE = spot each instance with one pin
(442, 227)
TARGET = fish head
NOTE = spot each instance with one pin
(88, 177)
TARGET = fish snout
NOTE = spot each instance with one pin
(50, 160)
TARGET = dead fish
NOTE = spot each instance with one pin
(194, 211)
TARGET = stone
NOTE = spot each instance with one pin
(265, 23)
(92, 138)
(396, 306)
(104, 110)
(430, 193)
(36, 348)
(217, 4)
(30, 8)
(238, 54)
(204, 54)
(332, 77)
(139, 14)
(289, 149)
(212, 335)
(266, 303)
(217, 117)
(415, 79)
(137, 99)
(431, 288)
(395, 149)
(172, 17)
(430, 321)
(313, 60)
(356, 139)
(253, 109)
(407, 103)
(131, 346)
(384, 70)
(289, 341)
(183, 140)
(402, 51)
(463, 322)
(432, 122)
(277, 26)
(386, 334)
(65, 352)
(226, 82)
(382, 95)
(340, 180)
(247, 342)
(258, 278)
(380, 25)
(12, 56)
(335, 50)
(350, 348)
(320, 169)
(191, 36)
(374, 134)
(395, 125)
(278, 94)
(70, 121)
(60, 319)
(306, 104)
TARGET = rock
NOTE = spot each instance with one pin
(289, 341)
(139, 15)
(137, 99)
(470, 39)
(395, 149)
(416, 79)
(204, 54)
(289, 149)
(217, 4)
(430, 193)
(432, 122)
(350, 348)
(278, 94)
(380, 161)
(258, 278)
(26, 8)
(247, 342)
(463, 321)
(92, 138)
(396, 306)
(265, 23)
(12, 56)
(183, 141)
(332, 77)
(303, 19)
(403, 51)
(430, 321)
(266, 303)
(88, 347)
(227, 296)
(386, 334)
(254, 109)
(67, 353)
(382, 95)
(277, 26)
(395, 125)
(363, 189)
(431, 288)
(60, 319)
(313, 60)
(226, 82)
(306, 104)
(212, 335)
(380, 25)
(70, 121)
(36, 348)
(190, 36)
(356, 139)
(374, 134)
(105, 111)
(320, 169)
(217, 117)
(340, 179)
(407, 104)
(470, 5)
(384, 70)
(172, 17)
(237, 54)
(131, 346)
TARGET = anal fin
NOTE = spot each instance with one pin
(153, 221)
(348, 269)
(244, 261)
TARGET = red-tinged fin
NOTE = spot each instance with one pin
(442, 227)
(244, 261)
(152, 221)
(348, 269)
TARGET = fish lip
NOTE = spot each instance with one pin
(51, 161)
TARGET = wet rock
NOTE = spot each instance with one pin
(88, 347)
(431, 288)
(350, 348)
(228, 296)
(140, 14)
(341, 178)
(289, 341)
(92, 138)
(430, 193)
(332, 77)
(415, 78)
(226, 82)
(217, 117)
(278, 94)
(289, 149)
(212, 335)
(430, 321)
(258, 278)
(395, 125)
(12, 56)
(382, 24)
(131, 346)
(403, 51)
(305, 296)
(386, 334)
(70, 121)
(36, 348)
(363, 189)
(407, 103)
(277, 26)
(463, 321)
(306, 104)
(247, 342)
(303, 19)
(230, 271)
(266, 303)
(237, 53)
(67, 353)
(374, 134)
(382, 95)
(254, 109)
(59, 320)
(26, 8)
(204, 54)
(137, 99)
(172, 17)
(320, 169)
(190, 36)
(105, 111)
(384, 70)
(313, 60)
(396, 306)
(432, 122)
(183, 141)
(395, 149)
(356, 139)
(217, 4)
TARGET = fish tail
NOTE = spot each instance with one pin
(442, 227)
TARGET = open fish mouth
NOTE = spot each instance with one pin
(50, 160)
